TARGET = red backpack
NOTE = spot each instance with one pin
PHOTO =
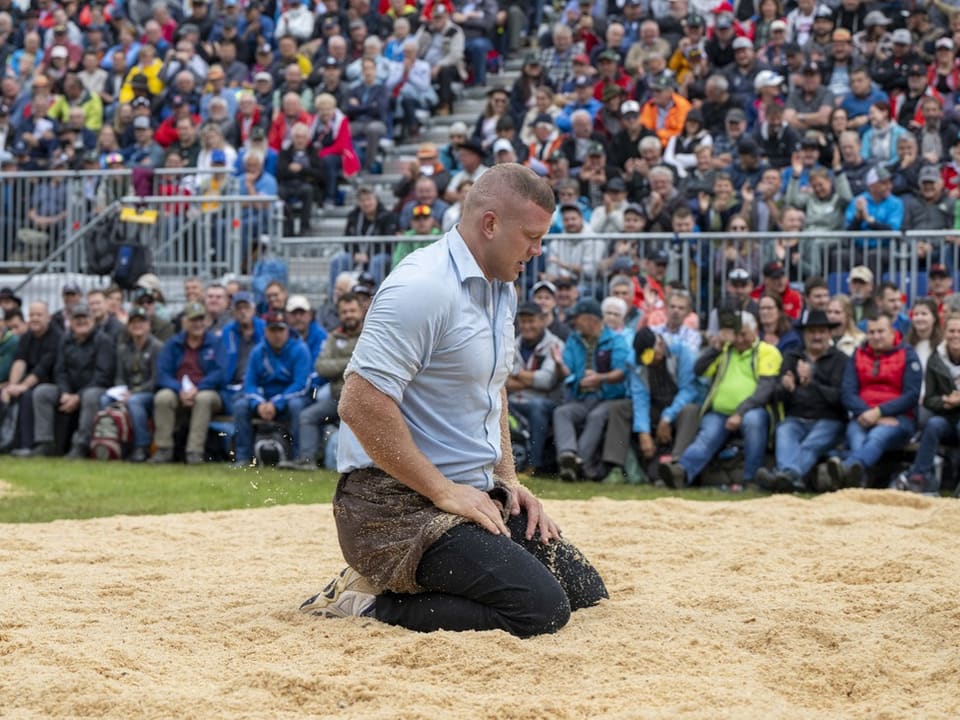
(112, 433)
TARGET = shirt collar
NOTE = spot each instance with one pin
(464, 263)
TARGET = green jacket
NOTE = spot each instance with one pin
(8, 352)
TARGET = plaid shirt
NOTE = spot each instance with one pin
(559, 66)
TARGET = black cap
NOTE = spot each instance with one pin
(645, 339)
(660, 257)
(815, 318)
(773, 269)
(529, 308)
(8, 294)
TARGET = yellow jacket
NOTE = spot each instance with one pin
(154, 83)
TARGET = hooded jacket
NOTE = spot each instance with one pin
(889, 380)
(276, 376)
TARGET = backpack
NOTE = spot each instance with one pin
(112, 433)
(132, 261)
(101, 246)
(272, 444)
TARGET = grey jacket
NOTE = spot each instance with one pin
(137, 369)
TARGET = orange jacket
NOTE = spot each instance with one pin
(673, 125)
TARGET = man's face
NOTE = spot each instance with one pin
(351, 316)
(624, 292)
(952, 335)
(192, 290)
(632, 223)
(70, 299)
(531, 326)
(890, 302)
(512, 237)
(860, 84)
(589, 326)
(81, 326)
(775, 285)
(276, 297)
(243, 313)
(940, 285)
(138, 328)
(683, 224)
(186, 131)
(300, 320)
(744, 339)
(677, 310)
(546, 300)
(39, 318)
(816, 339)
(17, 326)
(98, 306)
(215, 300)
(572, 221)
(931, 190)
(656, 269)
(818, 299)
(277, 336)
(880, 334)
(860, 290)
(567, 296)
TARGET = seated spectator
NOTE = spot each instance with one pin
(37, 352)
(592, 365)
(410, 90)
(544, 294)
(676, 329)
(775, 138)
(861, 294)
(189, 379)
(330, 365)
(83, 370)
(879, 143)
(846, 335)
(881, 389)
(135, 380)
(775, 326)
(863, 95)
(422, 224)
(661, 384)
(366, 108)
(472, 166)
(814, 415)
(666, 111)
(485, 128)
(298, 174)
(335, 143)
(680, 148)
(889, 300)
(274, 385)
(744, 372)
(290, 113)
(775, 283)
(816, 294)
(11, 328)
(441, 43)
(614, 311)
(941, 398)
(240, 335)
(300, 316)
(583, 103)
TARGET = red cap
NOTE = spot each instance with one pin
(581, 59)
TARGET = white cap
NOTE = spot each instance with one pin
(629, 106)
(149, 281)
(502, 145)
(298, 302)
(778, 25)
(742, 43)
(767, 78)
(862, 273)
(58, 51)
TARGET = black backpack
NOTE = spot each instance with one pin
(132, 261)
(101, 246)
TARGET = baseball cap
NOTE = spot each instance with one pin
(810, 139)
(58, 51)
(5, 157)
(861, 273)
(747, 146)
(529, 308)
(877, 174)
(426, 151)
(71, 288)
(596, 148)
(695, 20)
(635, 209)
(218, 157)
(331, 62)
(80, 309)
(902, 36)
(264, 49)
(778, 25)
(263, 77)
(643, 342)
(544, 285)
(824, 11)
(937, 269)
(502, 145)
(944, 43)
(140, 102)
(587, 306)
(138, 312)
(330, 22)
(8, 294)
(724, 22)
(663, 81)
(141, 123)
(658, 256)
(571, 207)
(360, 288)
(841, 35)
(194, 310)
(582, 81)
(243, 296)
(298, 302)
(275, 318)
(811, 68)
(767, 78)
(630, 106)
(614, 184)
(929, 174)
(876, 17)
(215, 73)
(917, 68)
(581, 59)
(177, 101)
(458, 128)
(531, 58)
(773, 269)
(742, 43)
(611, 55)
(738, 275)
(421, 211)
(258, 133)
(735, 115)
(543, 119)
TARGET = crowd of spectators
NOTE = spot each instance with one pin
(175, 373)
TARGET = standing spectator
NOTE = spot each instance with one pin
(775, 283)
(274, 385)
(83, 370)
(136, 371)
(592, 365)
(189, 378)
(881, 389)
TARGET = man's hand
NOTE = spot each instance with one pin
(267, 410)
(733, 423)
(590, 381)
(473, 504)
(664, 432)
(647, 448)
(788, 381)
(803, 372)
(537, 518)
(188, 397)
(869, 418)
(69, 402)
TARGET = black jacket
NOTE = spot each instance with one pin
(40, 353)
(312, 172)
(819, 398)
(85, 364)
(939, 383)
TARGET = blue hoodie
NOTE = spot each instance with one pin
(610, 353)
(276, 376)
(172, 354)
(229, 350)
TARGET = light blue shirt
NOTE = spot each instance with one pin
(438, 339)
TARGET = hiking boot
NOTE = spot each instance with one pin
(349, 594)
(195, 458)
(856, 476)
(78, 452)
(765, 479)
(673, 475)
(569, 463)
(788, 482)
(42, 449)
(162, 455)
(138, 455)
(909, 482)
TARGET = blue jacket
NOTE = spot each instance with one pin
(172, 354)
(611, 354)
(887, 215)
(276, 376)
(680, 360)
(315, 339)
(229, 350)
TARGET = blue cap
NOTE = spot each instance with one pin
(243, 296)
(218, 157)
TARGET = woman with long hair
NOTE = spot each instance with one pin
(925, 334)
(847, 336)
(485, 129)
(775, 326)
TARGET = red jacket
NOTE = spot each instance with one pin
(791, 299)
(166, 134)
(279, 128)
(342, 143)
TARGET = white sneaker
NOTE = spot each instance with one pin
(349, 594)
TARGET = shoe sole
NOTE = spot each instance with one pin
(336, 600)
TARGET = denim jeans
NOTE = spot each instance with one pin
(244, 415)
(312, 420)
(479, 581)
(476, 50)
(867, 446)
(538, 412)
(801, 442)
(937, 430)
(140, 406)
(713, 436)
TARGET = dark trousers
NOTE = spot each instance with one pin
(25, 420)
(296, 190)
(447, 76)
(479, 581)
